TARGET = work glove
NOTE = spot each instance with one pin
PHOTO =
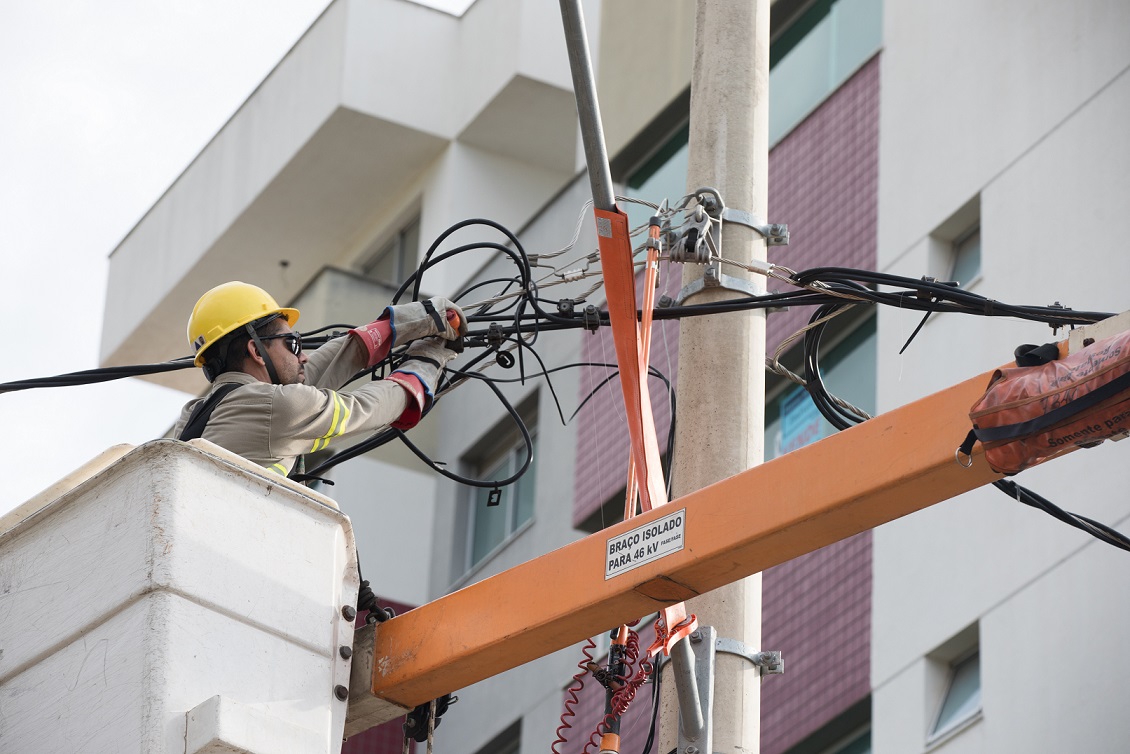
(421, 319)
(419, 374)
(426, 358)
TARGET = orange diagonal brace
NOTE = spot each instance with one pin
(620, 288)
(892, 465)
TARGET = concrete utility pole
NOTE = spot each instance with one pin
(720, 417)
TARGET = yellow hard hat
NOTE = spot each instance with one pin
(226, 308)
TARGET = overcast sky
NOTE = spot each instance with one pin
(102, 105)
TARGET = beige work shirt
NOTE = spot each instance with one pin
(272, 425)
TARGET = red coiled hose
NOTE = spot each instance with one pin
(571, 700)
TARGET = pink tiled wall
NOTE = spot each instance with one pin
(823, 183)
(816, 609)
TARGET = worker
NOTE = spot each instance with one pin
(271, 402)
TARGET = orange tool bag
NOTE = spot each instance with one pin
(1030, 414)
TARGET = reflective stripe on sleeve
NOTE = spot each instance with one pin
(337, 425)
(278, 467)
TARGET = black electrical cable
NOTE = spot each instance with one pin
(839, 417)
(92, 376)
(521, 425)
(549, 383)
(416, 278)
(842, 418)
(829, 287)
(669, 458)
(493, 281)
(949, 297)
(1094, 528)
(656, 676)
(387, 435)
(921, 295)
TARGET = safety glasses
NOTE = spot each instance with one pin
(293, 341)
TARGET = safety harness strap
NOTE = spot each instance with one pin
(194, 429)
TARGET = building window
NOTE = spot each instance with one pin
(966, 258)
(507, 742)
(394, 259)
(849, 732)
(491, 525)
(857, 743)
(817, 53)
(494, 517)
(814, 53)
(962, 700)
(954, 247)
(953, 692)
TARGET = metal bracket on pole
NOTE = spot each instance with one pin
(701, 243)
(768, 663)
(712, 277)
(695, 687)
(775, 234)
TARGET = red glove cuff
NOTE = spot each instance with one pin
(417, 399)
(376, 337)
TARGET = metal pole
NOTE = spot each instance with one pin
(720, 422)
(588, 110)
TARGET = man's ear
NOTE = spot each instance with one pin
(253, 353)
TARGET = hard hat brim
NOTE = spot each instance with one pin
(291, 316)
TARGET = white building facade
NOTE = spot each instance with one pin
(981, 141)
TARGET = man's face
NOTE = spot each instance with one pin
(289, 367)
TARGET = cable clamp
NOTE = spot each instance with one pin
(1055, 324)
(495, 338)
(591, 318)
(694, 245)
(701, 243)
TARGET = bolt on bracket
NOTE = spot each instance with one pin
(768, 662)
(775, 234)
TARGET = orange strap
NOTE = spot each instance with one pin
(633, 351)
(620, 287)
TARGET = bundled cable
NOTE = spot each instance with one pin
(507, 325)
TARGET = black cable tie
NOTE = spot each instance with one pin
(918, 329)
